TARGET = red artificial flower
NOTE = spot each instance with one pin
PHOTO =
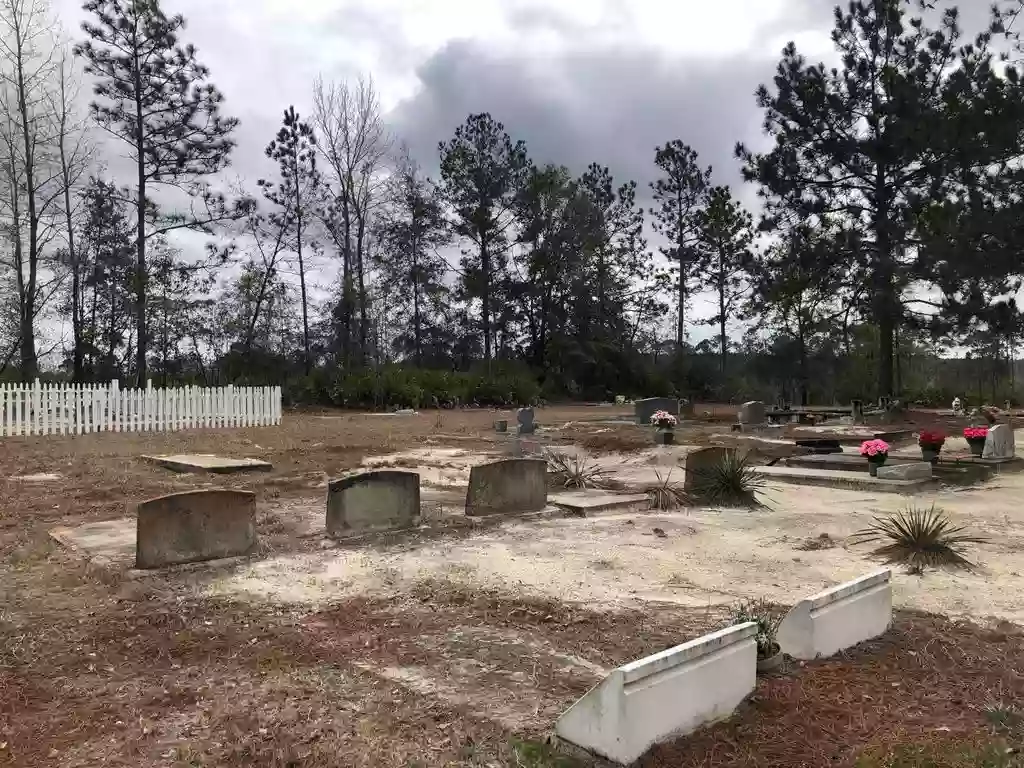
(975, 433)
(929, 437)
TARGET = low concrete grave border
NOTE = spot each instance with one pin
(663, 696)
(838, 618)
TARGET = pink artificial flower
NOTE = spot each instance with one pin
(874, 448)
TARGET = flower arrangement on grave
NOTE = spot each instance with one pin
(931, 443)
(663, 420)
(876, 452)
(976, 439)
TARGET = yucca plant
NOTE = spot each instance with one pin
(667, 495)
(919, 538)
(575, 472)
(732, 481)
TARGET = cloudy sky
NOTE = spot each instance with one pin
(579, 80)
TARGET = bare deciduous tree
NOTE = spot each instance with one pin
(356, 144)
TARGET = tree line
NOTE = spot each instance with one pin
(889, 228)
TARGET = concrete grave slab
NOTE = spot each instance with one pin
(506, 487)
(663, 696)
(194, 526)
(205, 462)
(586, 503)
(40, 477)
(837, 479)
(912, 470)
(372, 501)
(107, 541)
(838, 618)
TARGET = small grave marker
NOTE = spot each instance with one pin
(372, 501)
(507, 486)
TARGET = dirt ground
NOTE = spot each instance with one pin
(461, 648)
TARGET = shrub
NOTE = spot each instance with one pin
(667, 495)
(733, 480)
(919, 538)
(575, 472)
(768, 617)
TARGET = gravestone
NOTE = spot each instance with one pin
(373, 501)
(753, 413)
(524, 416)
(999, 443)
(915, 470)
(644, 409)
(194, 526)
(701, 461)
(686, 408)
(507, 486)
(857, 411)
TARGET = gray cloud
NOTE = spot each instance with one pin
(611, 106)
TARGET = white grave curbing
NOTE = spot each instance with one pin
(663, 696)
(838, 618)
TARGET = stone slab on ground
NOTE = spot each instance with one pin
(107, 541)
(586, 503)
(40, 477)
(997, 465)
(206, 462)
(911, 470)
(952, 471)
(837, 479)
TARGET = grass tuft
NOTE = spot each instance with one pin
(919, 538)
(731, 482)
(667, 495)
(575, 472)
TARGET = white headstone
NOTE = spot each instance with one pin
(999, 444)
(752, 413)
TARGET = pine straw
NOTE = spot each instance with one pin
(925, 683)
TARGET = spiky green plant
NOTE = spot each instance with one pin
(768, 618)
(732, 481)
(919, 538)
(575, 472)
(667, 495)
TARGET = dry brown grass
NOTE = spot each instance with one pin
(97, 670)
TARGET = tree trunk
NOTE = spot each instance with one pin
(141, 274)
(29, 361)
(485, 298)
(416, 320)
(361, 274)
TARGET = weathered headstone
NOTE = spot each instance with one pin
(373, 501)
(194, 526)
(686, 408)
(699, 463)
(620, 399)
(999, 443)
(857, 411)
(916, 470)
(524, 416)
(752, 413)
(507, 486)
(501, 425)
(644, 409)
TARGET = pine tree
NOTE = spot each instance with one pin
(911, 116)
(680, 194)
(410, 231)
(482, 171)
(297, 195)
(154, 95)
(726, 237)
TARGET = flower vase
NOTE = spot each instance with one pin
(930, 454)
(664, 436)
(874, 462)
(977, 445)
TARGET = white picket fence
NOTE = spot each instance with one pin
(75, 409)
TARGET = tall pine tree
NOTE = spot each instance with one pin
(482, 171)
(154, 95)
